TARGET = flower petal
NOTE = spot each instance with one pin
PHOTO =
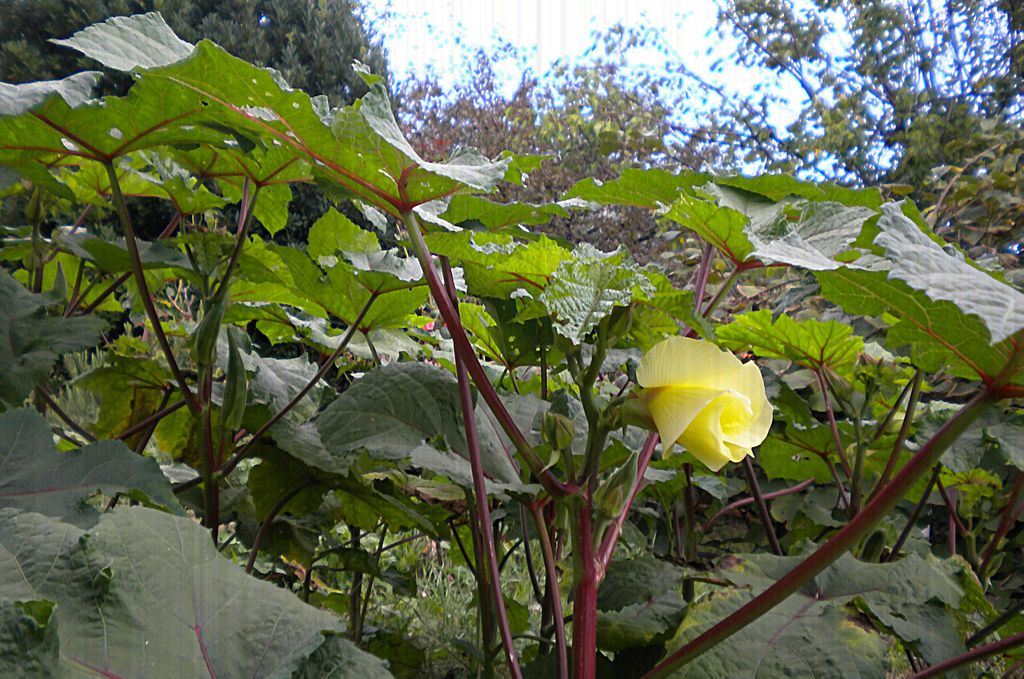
(674, 408)
(758, 420)
(703, 438)
(685, 362)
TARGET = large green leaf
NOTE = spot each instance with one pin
(811, 343)
(31, 341)
(638, 603)
(720, 225)
(146, 594)
(815, 632)
(16, 99)
(809, 235)
(123, 43)
(586, 288)
(929, 292)
(924, 265)
(920, 322)
(35, 477)
(394, 411)
(466, 210)
(652, 188)
(496, 265)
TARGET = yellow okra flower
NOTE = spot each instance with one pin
(705, 400)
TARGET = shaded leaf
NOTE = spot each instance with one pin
(214, 619)
(31, 341)
(34, 476)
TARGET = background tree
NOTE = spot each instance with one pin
(886, 86)
(593, 118)
(311, 42)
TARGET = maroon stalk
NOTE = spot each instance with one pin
(912, 520)
(152, 419)
(140, 280)
(972, 655)
(749, 500)
(119, 281)
(836, 439)
(265, 526)
(901, 438)
(462, 345)
(82, 431)
(584, 607)
(480, 489)
(230, 465)
(611, 537)
(839, 544)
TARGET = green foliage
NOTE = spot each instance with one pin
(39, 478)
(453, 376)
(107, 584)
(885, 105)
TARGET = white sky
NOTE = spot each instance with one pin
(438, 33)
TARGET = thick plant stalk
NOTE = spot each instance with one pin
(482, 503)
(839, 544)
(462, 345)
(584, 606)
(140, 280)
(972, 655)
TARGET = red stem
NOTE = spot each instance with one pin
(551, 572)
(832, 424)
(265, 526)
(897, 447)
(480, 489)
(611, 537)
(551, 483)
(584, 607)
(749, 500)
(144, 424)
(972, 655)
(144, 294)
(762, 507)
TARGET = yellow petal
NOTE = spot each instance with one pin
(704, 437)
(686, 362)
(753, 428)
(737, 453)
(674, 408)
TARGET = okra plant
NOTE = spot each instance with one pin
(802, 456)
